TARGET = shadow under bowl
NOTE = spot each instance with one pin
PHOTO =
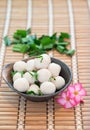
(65, 73)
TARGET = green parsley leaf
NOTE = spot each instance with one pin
(7, 41)
(65, 35)
(34, 46)
(13, 73)
(22, 48)
(41, 57)
(36, 52)
(22, 73)
(28, 31)
(34, 74)
(31, 92)
(46, 42)
(63, 43)
(20, 34)
(40, 93)
(60, 49)
(69, 52)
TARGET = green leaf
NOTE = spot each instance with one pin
(7, 41)
(13, 73)
(52, 78)
(28, 39)
(69, 52)
(31, 92)
(65, 35)
(28, 31)
(60, 39)
(22, 73)
(60, 49)
(47, 42)
(63, 43)
(37, 83)
(16, 41)
(22, 48)
(34, 74)
(20, 34)
(34, 46)
(54, 36)
(40, 93)
(41, 57)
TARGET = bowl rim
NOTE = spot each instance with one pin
(37, 96)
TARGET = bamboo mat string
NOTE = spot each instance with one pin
(29, 14)
(50, 15)
(6, 27)
(88, 1)
(50, 104)
(22, 106)
(74, 64)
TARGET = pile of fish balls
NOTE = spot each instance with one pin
(37, 76)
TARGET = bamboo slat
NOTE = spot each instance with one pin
(83, 60)
(15, 112)
(36, 113)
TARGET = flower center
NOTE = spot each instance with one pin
(76, 92)
(67, 98)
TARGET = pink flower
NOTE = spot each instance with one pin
(65, 100)
(76, 92)
(72, 96)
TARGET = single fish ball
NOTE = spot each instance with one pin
(30, 65)
(47, 88)
(16, 76)
(30, 78)
(21, 84)
(19, 66)
(59, 82)
(43, 61)
(54, 69)
(34, 88)
(43, 75)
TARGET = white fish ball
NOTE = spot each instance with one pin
(54, 69)
(19, 66)
(43, 61)
(29, 77)
(30, 65)
(21, 85)
(43, 75)
(47, 88)
(34, 88)
(59, 82)
(16, 76)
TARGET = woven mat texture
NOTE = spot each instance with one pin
(46, 17)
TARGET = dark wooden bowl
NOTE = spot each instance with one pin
(65, 73)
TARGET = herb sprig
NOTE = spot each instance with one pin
(25, 42)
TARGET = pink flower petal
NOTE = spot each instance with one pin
(68, 92)
(61, 101)
(78, 86)
(68, 105)
(64, 94)
(72, 101)
(72, 95)
(77, 98)
(82, 92)
(71, 89)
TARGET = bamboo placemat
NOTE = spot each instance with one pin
(46, 17)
